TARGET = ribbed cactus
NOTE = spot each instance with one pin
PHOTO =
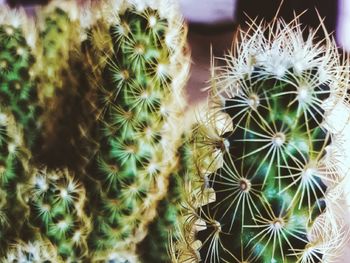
(17, 85)
(137, 52)
(269, 192)
(57, 204)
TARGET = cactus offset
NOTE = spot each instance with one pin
(275, 170)
(137, 52)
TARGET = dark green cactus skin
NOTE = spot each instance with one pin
(57, 208)
(266, 198)
(12, 174)
(131, 97)
(164, 229)
(17, 88)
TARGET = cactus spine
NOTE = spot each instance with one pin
(269, 193)
(140, 68)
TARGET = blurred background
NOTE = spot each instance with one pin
(213, 23)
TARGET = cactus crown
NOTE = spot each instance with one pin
(275, 163)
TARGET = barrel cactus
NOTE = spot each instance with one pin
(136, 50)
(271, 190)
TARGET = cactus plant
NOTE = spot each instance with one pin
(61, 77)
(57, 204)
(13, 167)
(137, 53)
(164, 229)
(38, 251)
(269, 193)
(17, 85)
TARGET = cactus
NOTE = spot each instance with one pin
(164, 230)
(269, 194)
(17, 86)
(137, 53)
(57, 204)
(64, 89)
(38, 251)
(13, 167)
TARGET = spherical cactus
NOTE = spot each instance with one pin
(269, 193)
(17, 86)
(57, 204)
(136, 49)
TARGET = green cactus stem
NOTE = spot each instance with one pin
(137, 52)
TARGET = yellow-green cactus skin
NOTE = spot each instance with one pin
(138, 55)
(269, 193)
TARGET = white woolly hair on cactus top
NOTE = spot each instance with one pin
(17, 18)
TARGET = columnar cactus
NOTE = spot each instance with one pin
(137, 52)
(57, 204)
(269, 193)
(17, 85)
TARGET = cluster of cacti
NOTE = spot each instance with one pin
(134, 128)
(268, 194)
(108, 171)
